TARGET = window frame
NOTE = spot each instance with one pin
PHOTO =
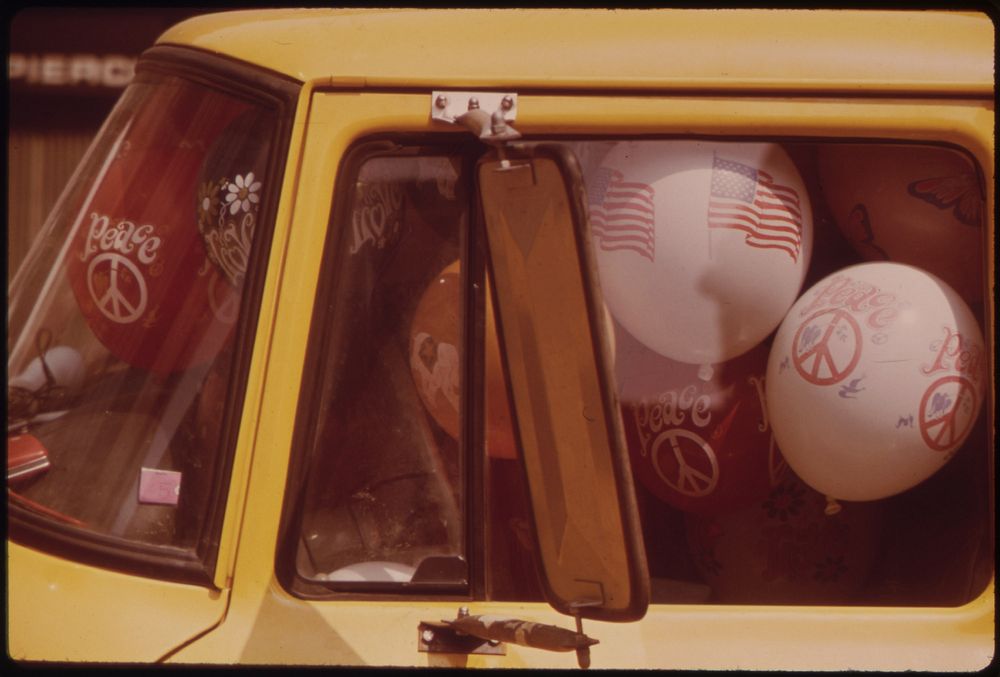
(171, 563)
(321, 330)
(474, 253)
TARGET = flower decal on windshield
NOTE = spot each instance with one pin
(243, 193)
(227, 216)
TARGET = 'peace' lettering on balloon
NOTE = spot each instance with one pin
(115, 281)
(124, 237)
(668, 411)
(858, 297)
(956, 353)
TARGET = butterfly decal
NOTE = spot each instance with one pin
(960, 191)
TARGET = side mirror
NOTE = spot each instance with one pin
(559, 360)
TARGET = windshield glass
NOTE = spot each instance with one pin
(121, 319)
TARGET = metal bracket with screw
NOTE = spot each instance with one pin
(488, 115)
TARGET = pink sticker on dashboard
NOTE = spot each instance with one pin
(160, 487)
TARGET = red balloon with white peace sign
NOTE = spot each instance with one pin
(875, 378)
(699, 438)
(138, 267)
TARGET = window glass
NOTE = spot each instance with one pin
(121, 319)
(386, 498)
(801, 366)
(386, 483)
(768, 469)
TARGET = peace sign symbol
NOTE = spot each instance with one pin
(688, 448)
(115, 302)
(947, 411)
(827, 347)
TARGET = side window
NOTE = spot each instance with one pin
(386, 484)
(804, 414)
(394, 494)
(786, 445)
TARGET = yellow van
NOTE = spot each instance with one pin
(555, 338)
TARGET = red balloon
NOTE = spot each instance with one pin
(435, 362)
(138, 267)
(918, 205)
(785, 549)
(698, 441)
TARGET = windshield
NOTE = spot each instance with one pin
(121, 319)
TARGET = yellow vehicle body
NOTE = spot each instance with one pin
(913, 76)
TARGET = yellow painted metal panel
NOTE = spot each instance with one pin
(266, 625)
(805, 50)
(845, 53)
(82, 613)
(252, 414)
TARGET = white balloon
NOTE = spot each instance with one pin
(65, 364)
(874, 380)
(702, 247)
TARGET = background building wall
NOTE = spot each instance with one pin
(66, 68)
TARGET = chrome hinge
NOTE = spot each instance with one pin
(486, 114)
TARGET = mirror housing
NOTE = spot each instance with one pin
(557, 352)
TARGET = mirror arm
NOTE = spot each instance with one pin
(576, 608)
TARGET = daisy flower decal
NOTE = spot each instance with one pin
(243, 192)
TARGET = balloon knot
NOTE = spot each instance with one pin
(832, 506)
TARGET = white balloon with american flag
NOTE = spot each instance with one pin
(702, 246)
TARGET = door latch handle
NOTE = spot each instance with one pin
(467, 632)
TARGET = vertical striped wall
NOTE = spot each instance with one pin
(39, 165)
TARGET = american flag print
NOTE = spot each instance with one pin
(622, 215)
(750, 200)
